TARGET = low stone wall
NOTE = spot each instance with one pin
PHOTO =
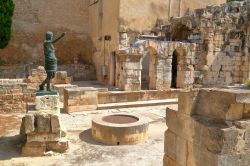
(14, 71)
(60, 89)
(38, 75)
(80, 99)
(79, 72)
(210, 128)
(14, 96)
(118, 97)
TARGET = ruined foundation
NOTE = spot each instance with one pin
(119, 129)
(211, 128)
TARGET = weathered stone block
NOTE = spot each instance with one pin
(180, 124)
(167, 161)
(48, 103)
(186, 101)
(42, 122)
(29, 123)
(80, 99)
(55, 124)
(43, 137)
(215, 137)
(60, 89)
(60, 146)
(215, 104)
(246, 112)
(170, 144)
(235, 112)
(34, 149)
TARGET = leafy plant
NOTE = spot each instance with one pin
(247, 82)
(6, 13)
(234, 0)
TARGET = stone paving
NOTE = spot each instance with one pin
(83, 150)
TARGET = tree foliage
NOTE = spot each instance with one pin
(6, 13)
(234, 0)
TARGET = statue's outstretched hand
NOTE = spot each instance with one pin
(64, 33)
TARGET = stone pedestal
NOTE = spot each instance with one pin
(48, 103)
(43, 132)
(128, 77)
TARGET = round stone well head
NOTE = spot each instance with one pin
(119, 129)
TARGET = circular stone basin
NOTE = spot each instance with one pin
(119, 129)
(120, 119)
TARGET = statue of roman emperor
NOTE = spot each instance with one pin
(50, 59)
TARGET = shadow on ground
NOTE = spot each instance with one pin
(87, 137)
(10, 147)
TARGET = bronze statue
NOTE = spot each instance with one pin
(50, 59)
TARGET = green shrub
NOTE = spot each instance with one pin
(247, 82)
(234, 0)
(6, 13)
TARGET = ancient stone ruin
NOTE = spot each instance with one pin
(149, 82)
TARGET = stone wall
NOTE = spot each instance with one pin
(210, 46)
(223, 34)
(142, 15)
(128, 70)
(79, 72)
(14, 71)
(210, 128)
(78, 99)
(14, 95)
(162, 65)
(33, 18)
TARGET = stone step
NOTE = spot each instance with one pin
(137, 104)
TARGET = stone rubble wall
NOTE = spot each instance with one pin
(39, 75)
(210, 128)
(14, 95)
(212, 43)
(223, 32)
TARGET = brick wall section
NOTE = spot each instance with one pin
(14, 96)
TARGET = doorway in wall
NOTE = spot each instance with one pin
(145, 72)
(174, 69)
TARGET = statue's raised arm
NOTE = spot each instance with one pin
(57, 39)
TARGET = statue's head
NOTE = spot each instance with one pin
(49, 36)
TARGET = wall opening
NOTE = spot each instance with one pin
(145, 72)
(174, 69)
